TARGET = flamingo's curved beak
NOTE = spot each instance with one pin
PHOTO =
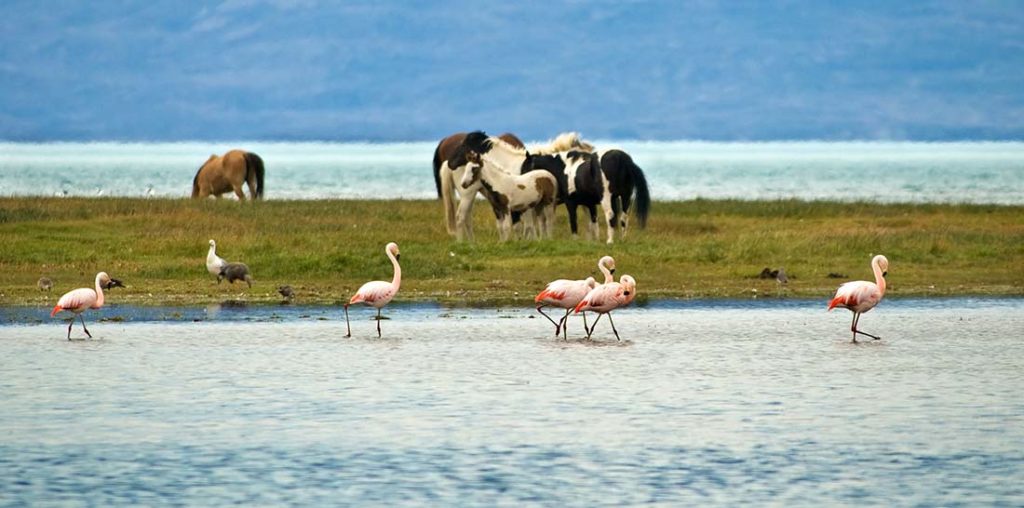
(398, 257)
(626, 293)
(612, 271)
(114, 283)
(884, 274)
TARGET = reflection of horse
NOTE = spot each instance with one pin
(458, 223)
(532, 194)
(220, 174)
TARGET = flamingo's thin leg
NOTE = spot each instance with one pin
(348, 328)
(539, 307)
(83, 325)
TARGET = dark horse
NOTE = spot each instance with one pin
(220, 174)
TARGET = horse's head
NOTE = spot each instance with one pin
(473, 165)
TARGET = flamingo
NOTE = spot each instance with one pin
(214, 263)
(607, 297)
(566, 294)
(861, 296)
(378, 293)
(78, 300)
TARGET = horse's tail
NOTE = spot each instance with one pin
(254, 164)
(643, 196)
(437, 169)
(444, 189)
(195, 182)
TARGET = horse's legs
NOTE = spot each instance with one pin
(464, 216)
(549, 221)
(593, 230)
(571, 208)
(624, 217)
(529, 221)
(609, 213)
(239, 192)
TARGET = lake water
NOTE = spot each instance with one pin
(703, 402)
(876, 171)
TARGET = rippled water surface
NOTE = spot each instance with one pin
(701, 403)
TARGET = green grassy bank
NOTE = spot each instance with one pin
(327, 249)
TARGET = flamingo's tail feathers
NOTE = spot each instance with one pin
(839, 300)
(56, 308)
(356, 298)
(579, 306)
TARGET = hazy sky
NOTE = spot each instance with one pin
(381, 70)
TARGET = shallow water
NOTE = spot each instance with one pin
(702, 402)
(845, 171)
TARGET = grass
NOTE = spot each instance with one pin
(327, 249)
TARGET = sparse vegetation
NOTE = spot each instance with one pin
(326, 249)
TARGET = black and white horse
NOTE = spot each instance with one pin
(531, 195)
(609, 178)
(452, 163)
(624, 184)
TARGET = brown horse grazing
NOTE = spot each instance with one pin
(220, 174)
(446, 182)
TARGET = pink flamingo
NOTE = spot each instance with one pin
(861, 296)
(78, 300)
(378, 293)
(566, 294)
(607, 297)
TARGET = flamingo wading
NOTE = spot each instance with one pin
(78, 300)
(861, 296)
(566, 294)
(378, 293)
(607, 297)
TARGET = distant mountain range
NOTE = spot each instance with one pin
(386, 71)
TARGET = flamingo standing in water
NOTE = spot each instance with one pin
(78, 300)
(378, 293)
(861, 296)
(566, 294)
(607, 297)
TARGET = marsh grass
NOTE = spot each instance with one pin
(326, 249)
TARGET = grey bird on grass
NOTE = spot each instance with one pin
(286, 291)
(45, 284)
(233, 272)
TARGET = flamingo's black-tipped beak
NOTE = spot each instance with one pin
(884, 274)
(626, 293)
(398, 257)
(612, 271)
(114, 283)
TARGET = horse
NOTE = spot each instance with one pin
(610, 177)
(624, 183)
(220, 174)
(532, 194)
(460, 222)
(580, 183)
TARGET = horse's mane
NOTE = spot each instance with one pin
(564, 142)
(481, 143)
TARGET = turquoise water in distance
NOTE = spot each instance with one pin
(984, 172)
(726, 403)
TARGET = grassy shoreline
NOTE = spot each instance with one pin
(326, 249)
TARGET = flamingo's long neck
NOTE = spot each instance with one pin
(608, 279)
(879, 279)
(396, 281)
(99, 293)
